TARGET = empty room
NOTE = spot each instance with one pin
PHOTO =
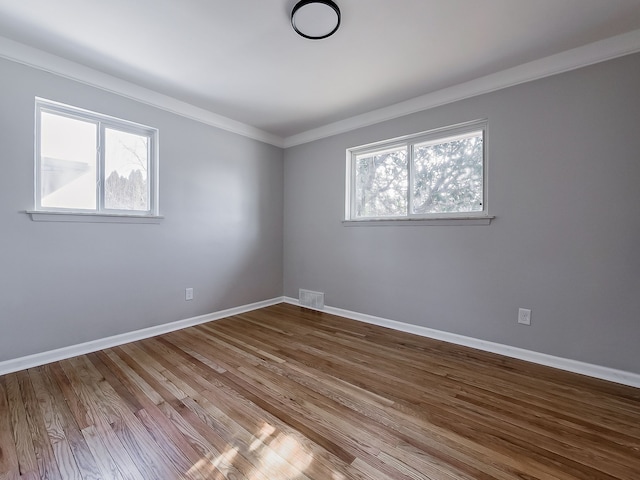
(320, 239)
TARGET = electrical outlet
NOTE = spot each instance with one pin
(188, 294)
(524, 316)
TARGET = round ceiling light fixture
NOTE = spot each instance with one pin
(315, 19)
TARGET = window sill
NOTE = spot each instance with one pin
(42, 216)
(410, 222)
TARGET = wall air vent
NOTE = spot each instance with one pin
(309, 299)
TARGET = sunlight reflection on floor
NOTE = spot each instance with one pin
(279, 458)
(212, 461)
(283, 458)
(264, 433)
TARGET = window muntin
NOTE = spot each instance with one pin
(437, 174)
(91, 163)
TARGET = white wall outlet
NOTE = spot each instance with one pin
(524, 316)
(188, 294)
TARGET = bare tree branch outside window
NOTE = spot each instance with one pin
(421, 176)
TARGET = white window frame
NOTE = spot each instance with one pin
(438, 135)
(100, 213)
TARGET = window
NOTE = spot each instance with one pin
(431, 175)
(88, 163)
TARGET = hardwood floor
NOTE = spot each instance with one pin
(287, 393)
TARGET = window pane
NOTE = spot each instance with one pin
(381, 181)
(126, 171)
(448, 175)
(67, 162)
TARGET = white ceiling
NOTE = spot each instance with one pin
(242, 60)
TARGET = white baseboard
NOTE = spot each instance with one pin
(596, 371)
(37, 359)
(591, 370)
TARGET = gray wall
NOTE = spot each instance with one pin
(563, 183)
(67, 283)
(564, 173)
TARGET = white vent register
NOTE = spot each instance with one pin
(310, 299)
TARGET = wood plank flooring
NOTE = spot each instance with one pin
(287, 393)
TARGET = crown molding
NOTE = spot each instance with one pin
(603, 50)
(32, 57)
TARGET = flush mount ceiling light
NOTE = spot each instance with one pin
(315, 19)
